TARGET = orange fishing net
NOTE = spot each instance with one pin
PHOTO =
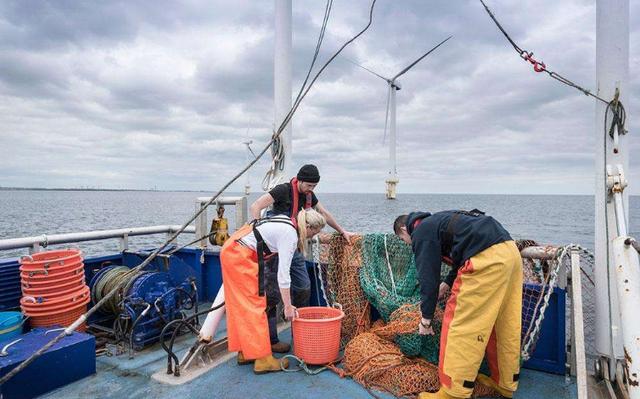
(343, 286)
(375, 361)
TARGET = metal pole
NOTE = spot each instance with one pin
(282, 79)
(578, 323)
(612, 70)
(392, 178)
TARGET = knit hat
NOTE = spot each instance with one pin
(308, 173)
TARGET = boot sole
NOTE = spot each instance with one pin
(265, 371)
(488, 382)
(244, 363)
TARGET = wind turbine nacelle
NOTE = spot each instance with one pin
(396, 85)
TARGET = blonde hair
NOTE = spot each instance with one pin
(311, 218)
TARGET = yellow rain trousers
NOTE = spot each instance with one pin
(247, 328)
(483, 314)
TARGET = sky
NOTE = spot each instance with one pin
(152, 94)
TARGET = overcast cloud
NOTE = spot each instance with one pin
(148, 94)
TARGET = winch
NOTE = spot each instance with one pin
(146, 303)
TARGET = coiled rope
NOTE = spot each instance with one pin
(111, 280)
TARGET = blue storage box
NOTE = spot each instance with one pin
(71, 359)
(550, 350)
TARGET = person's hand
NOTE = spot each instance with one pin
(289, 312)
(425, 328)
(348, 236)
(443, 291)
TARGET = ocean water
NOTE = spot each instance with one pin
(552, 219)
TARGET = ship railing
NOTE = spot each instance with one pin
(38, 243)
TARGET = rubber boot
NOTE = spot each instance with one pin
(269, 364)
(487, 381)
(242, 361)
(437, 395)
(280, 347)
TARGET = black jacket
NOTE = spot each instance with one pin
(432, 239)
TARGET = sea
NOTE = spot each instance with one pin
(547, 219)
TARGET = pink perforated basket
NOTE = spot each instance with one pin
(316, 334)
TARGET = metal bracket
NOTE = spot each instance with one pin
(203, 353)
(616, 181)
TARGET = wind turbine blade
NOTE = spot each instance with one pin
(419, 59)
(367, 69)
(386, 117)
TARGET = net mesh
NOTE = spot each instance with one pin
(378, 271)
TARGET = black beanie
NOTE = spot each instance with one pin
(309, 173)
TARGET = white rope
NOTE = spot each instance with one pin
(277, 165)
(315, 247)
(532, 337)
(386, 253)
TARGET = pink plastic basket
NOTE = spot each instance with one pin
(316, 334)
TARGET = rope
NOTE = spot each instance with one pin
(155, 253)
(618, 119)
(532, 334)
(173, 251)
(539, 66)
(110, 280)
(302, 366)
(315, 247)
(386, 253)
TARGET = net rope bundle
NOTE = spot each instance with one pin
(377, 273)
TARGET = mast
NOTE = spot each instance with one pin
(616, 275)
(282, 81)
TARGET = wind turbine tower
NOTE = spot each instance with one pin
(392, 177)
(247, 185)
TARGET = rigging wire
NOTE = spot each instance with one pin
(539, 66)
(155, 253)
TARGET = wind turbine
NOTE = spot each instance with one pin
(392, 178)
(247, 185)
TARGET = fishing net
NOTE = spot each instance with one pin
(377, 273)
(343, 286)
(388, 273)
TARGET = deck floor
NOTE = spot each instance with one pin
(121, 377)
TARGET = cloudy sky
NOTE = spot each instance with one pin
(145, 94)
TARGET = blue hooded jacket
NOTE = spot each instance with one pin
(432, 239)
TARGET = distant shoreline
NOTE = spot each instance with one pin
(238, 193)
(94, 189)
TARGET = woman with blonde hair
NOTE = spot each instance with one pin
(242, 258)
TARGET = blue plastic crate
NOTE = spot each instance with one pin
(71, 359)
(550, 350)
